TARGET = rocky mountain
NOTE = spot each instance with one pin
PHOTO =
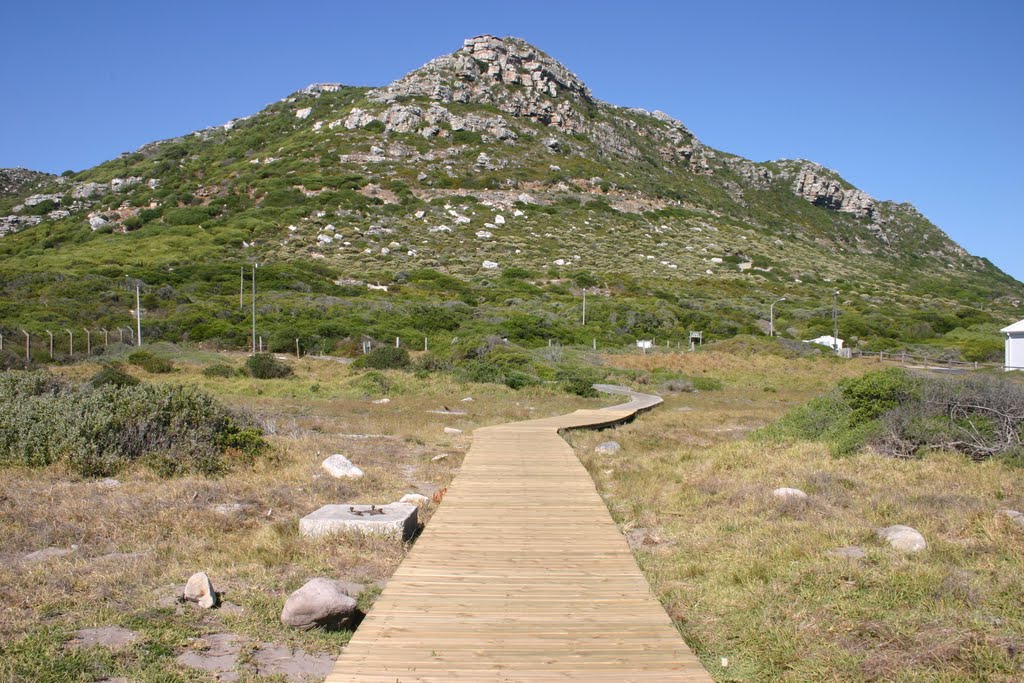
(479, 195)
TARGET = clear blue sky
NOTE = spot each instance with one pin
(911, 101)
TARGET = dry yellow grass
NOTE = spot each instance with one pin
(139, 542)
(755, 580)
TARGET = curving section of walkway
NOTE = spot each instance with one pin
(521, 576)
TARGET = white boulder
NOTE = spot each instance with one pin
(199, 590)
(903, 538)
(340, 467)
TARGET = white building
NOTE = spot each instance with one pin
(1014, 346)
(827, 340)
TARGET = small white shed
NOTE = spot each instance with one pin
(826, 340)
(1014, 346)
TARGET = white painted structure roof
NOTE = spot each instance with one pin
(1016, 327)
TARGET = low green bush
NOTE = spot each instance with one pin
(99, 430)
(113, 375)
(384, 358)
(150, 363)
(219, 370)
(706, 383)
(265, 366)
(578, 380)
(905, 415)
(374, 383)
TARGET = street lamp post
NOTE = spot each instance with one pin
(771, 316)
(138, 315)
(835, 321)
(254, 265)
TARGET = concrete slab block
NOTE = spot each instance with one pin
(395, 520)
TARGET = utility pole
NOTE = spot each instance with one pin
(71, 342)
(254, 308)
(584, 306)
(28, 355)
(138, 316)
(835, 321)
(51, 343)
(771, 315)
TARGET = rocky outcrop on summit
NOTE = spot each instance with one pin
(814, 185)
(16, 181)
(545, 91)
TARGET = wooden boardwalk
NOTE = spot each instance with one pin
(521, 575)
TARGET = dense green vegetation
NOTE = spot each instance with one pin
(97, 429)
(659, 249)
(907, 414)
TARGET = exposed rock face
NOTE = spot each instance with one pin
(544, 91)
(401, 118)
(15, 181)
(608, 448)
(16, 223)
(319, 603)
(815, 186)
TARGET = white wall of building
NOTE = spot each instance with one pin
(1015, 350)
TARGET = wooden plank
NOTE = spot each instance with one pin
(521, 576)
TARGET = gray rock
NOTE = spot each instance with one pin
(608, 448)
(395, 520)
(789, 494)
(217, 654)
(340, 467)
(903, 538)
(852, 552)
(230, 509)
(319, 603)
(295, 665)
(439, 458)
(414, 498)
(97, 222)
(1014, 516)
(199, 590)
(452, 430)
(49, 554)
(87, 190)
(113, 637)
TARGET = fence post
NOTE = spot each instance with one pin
(425, 348)
(297, 355)
(398, 342)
